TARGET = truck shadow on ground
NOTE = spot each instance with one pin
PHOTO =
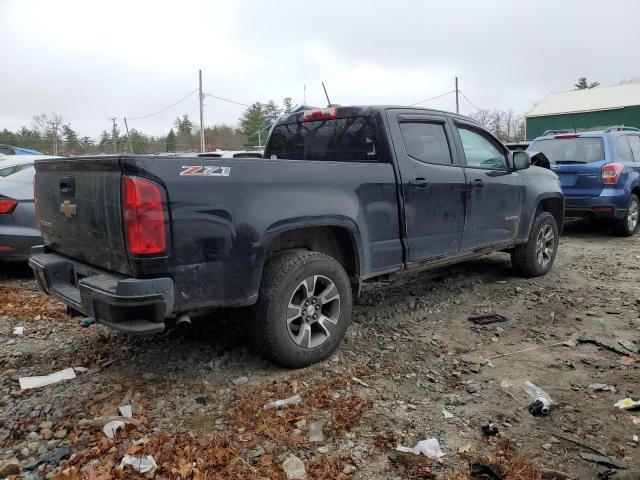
(221, 337)
(15, 271)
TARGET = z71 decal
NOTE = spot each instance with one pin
(201, 171)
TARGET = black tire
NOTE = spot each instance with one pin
(525, 257)
(284, 281)
(627, 226)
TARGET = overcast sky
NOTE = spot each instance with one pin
(91, 60)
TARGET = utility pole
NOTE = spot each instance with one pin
(114, 134)
(128, 136)
(54, 137)
(457, 99)
(201, 111)
(304, 95)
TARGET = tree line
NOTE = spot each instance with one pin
(51, 134)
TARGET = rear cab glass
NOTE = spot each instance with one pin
(570, 150)
(350, 139)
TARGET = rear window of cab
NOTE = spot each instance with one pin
(350, 139)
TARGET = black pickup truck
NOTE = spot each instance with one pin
(342, 195)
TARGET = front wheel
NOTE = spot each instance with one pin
(535, 258)
(626, 227)
(303, 308)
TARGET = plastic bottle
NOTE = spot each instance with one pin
(542, 402)
(294, 400)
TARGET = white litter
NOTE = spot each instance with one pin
(357, 380)
(36, 382)
(447, 415)
(126, 411)
(111, 428)
(429, 448)
(294, 400)
(18, 330)
(315, 431)
(141, 464)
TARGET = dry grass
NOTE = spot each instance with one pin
(513, 465)
(26, 302)
(224, 456)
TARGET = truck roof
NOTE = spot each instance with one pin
(368, 110)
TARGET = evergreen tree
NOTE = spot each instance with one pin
(582, 84)
(71, 141)
(255, 119)
(170, 142)
(287, 105)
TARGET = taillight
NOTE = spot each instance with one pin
(567, 135)
(611, 173)
(7, 205)
(321, 114)
(143, 216)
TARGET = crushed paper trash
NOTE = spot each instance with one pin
(126, 411)
(429, 448)
(141, 464)
(111, 428)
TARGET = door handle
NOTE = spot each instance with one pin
(478, 183)
(419, 182)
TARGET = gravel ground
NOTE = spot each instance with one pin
(412, 367)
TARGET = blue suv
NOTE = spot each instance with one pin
(599, 172)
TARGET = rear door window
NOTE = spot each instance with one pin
(426, 142)
(570, 150)
(353, 139)
(634, 143)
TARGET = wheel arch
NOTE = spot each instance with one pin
(337, 241)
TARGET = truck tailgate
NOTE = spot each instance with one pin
(79, 210)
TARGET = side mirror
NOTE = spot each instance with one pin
(521, 160)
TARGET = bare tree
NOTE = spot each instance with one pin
(482, 116)
(627, 81)
(507, 126)
(50, 127)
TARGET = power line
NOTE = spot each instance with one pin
(468, 101)
(166, 108)
(226, 100)
(430, 99)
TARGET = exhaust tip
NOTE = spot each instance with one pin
(183, 321)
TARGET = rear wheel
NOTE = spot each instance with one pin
(535, 258)
(303, 308)
(626, 227)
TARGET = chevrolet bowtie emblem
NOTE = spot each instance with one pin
(68, 209)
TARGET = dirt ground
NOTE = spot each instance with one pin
(410, 354)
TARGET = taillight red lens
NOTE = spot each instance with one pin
(143, 216)
(321, 114)
(7, 205)
(611, 173)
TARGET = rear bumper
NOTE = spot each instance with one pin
(127, 304)
(611, 203)
(16, 242)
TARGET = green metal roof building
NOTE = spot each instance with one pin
(589, 109)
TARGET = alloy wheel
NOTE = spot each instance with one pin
(313, 311)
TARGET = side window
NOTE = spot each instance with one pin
(622, 149)
(634, 142)
(426, 142)
(480, 151)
